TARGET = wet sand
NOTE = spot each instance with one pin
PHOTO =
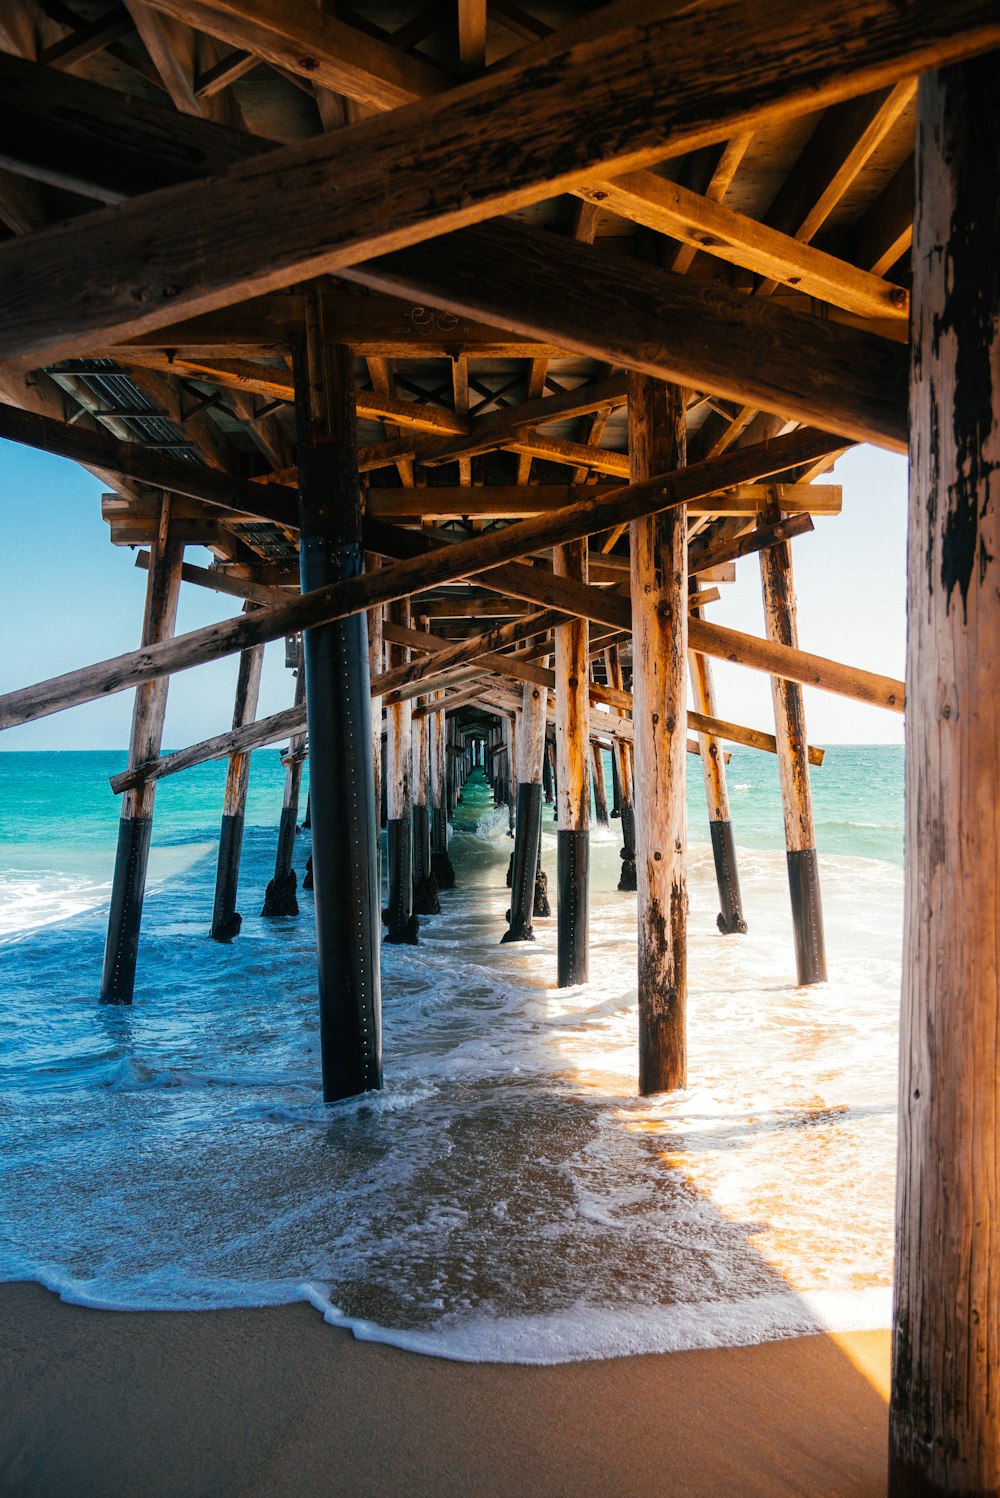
(243, 1404)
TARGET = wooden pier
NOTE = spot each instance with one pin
(479, 346)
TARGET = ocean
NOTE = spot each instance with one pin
(507, 1196)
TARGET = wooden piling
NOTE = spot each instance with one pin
(528, 820)
(944, 1430)
(656, 439)
(793, 762)
(135, 825)
(572, 781)
(425, 885)
(280, 895)
(441, 864)
(401, 922)
(623, 757)
(226, 920)
(730, 919)
(338, 707)
(600, 785)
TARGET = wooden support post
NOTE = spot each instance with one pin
(528, 821)
(425, 886)
(400, 920)
(135, 824)
(441, 864)
(226, 920)
(548, 787)
(616, 794)
(656, 440)
(730, 919)
(338, 708)
(511, 735)
(793, 763)
(600, 785)
(280, 897)
(573, 786)
(626, 781)
(944, 1431)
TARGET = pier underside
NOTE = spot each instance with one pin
(478, 344)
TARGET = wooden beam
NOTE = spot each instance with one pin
(660, 324)
(339, 600)
(671, 209)
(269, 730)
(514, 501)
(76, 135)
(99, 449)
(496, 430)
(556, 118)
(315, 45)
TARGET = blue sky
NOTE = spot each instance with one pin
(68, 597)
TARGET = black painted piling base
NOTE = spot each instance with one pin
(441, 865)
(425, 897)
(523, 862)
(226, 921)
(307, 877)
(425, 886)
(572, 908)
(628, 879)
(279, 897)
(398, 914)
(730, 919)
(807, 916)
(541, 908)
(125, 914)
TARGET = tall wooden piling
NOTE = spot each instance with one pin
(338, 707)
(135, 825)
(528, 820)
(280, 897)
(226, 920)
(944, 1430)
(623, 757)
(425, 885)
(401, 922)
(793, 761)
(600, 785)
(572, 781)
(730, 919)
(441, 864)
(656, 439)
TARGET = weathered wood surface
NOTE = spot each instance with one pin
(515, 501)
(555, 119)
(783, 529)
(296, 36)
(826, 373)
(222, 582)
(269, 730)
(441, 655)
(100, 450)
(672, 209)
(658, 545)
(225, 919)
(572, 781)
(447, 564)
(136, 818)
(944, 1432)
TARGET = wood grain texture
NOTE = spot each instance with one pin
(944, 1433)
(841, 378)
(658, 545)
(572, 702)
(540, 127)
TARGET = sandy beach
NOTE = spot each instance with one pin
(242, 1404)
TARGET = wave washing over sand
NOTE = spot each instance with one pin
(507, 1197)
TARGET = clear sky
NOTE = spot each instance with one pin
(68, 598)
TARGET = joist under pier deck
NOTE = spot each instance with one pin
(616, 282)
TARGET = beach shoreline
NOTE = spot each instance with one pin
(242, 1404)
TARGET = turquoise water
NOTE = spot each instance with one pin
(507, 1196)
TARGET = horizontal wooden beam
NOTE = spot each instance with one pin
(237, 741)
(501, 427)
(556, 119)
(706, 336)
(219, 581)
(706, 225)
(399, 580)
(514, 501)
(98, 449)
